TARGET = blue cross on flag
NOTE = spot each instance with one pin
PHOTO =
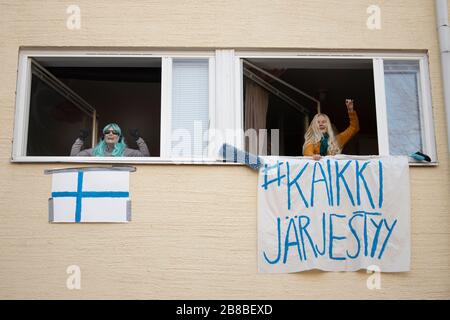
(90, 195)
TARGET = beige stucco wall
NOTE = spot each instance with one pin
(194, 228)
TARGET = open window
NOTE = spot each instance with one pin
(56, 114)
(300, 88)
(176, 98)
(67, 95)
(166, 96)
(391, 94)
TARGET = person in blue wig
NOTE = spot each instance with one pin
(112, 144)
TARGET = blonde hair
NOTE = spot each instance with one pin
(313, 135)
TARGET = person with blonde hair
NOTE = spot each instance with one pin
(320, 138)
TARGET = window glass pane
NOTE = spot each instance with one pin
(403, 106)
(190, 105)
(53, 121)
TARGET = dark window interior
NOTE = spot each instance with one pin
(330, 82)
(128, 96)
(54, 122)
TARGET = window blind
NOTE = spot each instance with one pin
(190, 108)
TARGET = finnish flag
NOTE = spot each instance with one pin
(90, 195)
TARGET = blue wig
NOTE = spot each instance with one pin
(119, 147)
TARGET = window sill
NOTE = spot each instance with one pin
(158, 160)
(121, 160)
(423, 164)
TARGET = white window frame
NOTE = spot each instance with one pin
(23, 101)
(225, 98)
(426, 112)
(166, 107)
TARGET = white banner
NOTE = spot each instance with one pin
(336, 214)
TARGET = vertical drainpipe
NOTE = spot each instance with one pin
(444, 44)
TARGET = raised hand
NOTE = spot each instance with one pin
(83, 134)
(349, 104)
(135, 133)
